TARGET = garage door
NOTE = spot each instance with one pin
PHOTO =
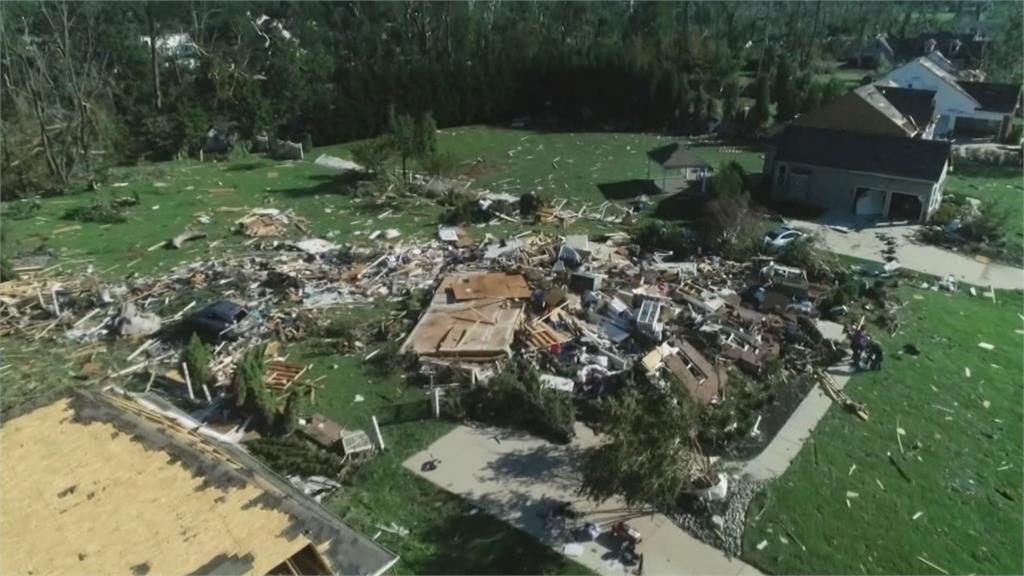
(869, 202)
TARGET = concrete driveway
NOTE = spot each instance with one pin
(518, 478)
(868, 243)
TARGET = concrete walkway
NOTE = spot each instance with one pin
(868, 244)
(518, 478)
(780, 452)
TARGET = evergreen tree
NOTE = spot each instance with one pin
(762, 112)
(786, 92)
(813, 97)
(730, 100)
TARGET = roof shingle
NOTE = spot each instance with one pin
(897, 156)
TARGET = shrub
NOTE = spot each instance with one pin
(529, 204)
(659, 235)
(197, 358)
(806, 253)
(945, 214)
(372, 154)
(464, 210)
(22, 209)
(99, 212)
(7, 270)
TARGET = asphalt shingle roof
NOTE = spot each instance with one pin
(897, 156)
(993, 96)
(918, 105)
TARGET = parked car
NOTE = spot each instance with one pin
(217, 321)
(781, 237)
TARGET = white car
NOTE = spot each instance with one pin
(781, 237)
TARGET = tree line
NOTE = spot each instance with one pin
(87, 84)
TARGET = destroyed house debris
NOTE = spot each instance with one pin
(135, 488)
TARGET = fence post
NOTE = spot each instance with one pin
(435, 402)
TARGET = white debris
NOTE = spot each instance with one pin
(335, 163)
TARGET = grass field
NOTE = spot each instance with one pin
(591, 168)
(961, 453)
(1002, 185)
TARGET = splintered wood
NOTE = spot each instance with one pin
(542, 337)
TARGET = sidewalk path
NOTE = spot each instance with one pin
(518, 477)
(777, 456)
(913, 255)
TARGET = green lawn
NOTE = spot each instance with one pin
(1003, 185)
(961, 452)
(584, 168)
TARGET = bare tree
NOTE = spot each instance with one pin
(54, 74)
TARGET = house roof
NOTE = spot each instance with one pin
(676, 155)
(993, 96)
(865, 109)
(99, 484)
(897, 156)
(918, 105)
(943, 75)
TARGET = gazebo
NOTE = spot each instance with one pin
(679, 163)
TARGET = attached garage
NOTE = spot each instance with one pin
(869, 202)
(905, 207)
(857, 174)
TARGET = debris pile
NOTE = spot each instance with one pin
(583, 312)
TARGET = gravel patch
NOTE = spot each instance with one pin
(720, 524)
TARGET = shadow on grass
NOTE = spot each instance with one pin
(245, 166)
(628, 189)
(322, 184)
(474, 542)
(968, 169)
(680, 206)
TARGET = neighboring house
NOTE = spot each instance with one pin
(942, 62)
(875, 53)
(852, 173)
(877, 110)
(679, 167)
(977, 108)
(963, 50)
(101, 484)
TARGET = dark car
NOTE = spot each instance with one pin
(217, 321)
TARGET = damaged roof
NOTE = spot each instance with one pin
(97, 484)
(484, 285)
(918, 105)
(701, 379)
(478, 329)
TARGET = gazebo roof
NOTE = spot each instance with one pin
(675, 155)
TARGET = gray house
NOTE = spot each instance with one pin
(857, 174)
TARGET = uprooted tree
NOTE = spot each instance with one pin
(648, 457)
